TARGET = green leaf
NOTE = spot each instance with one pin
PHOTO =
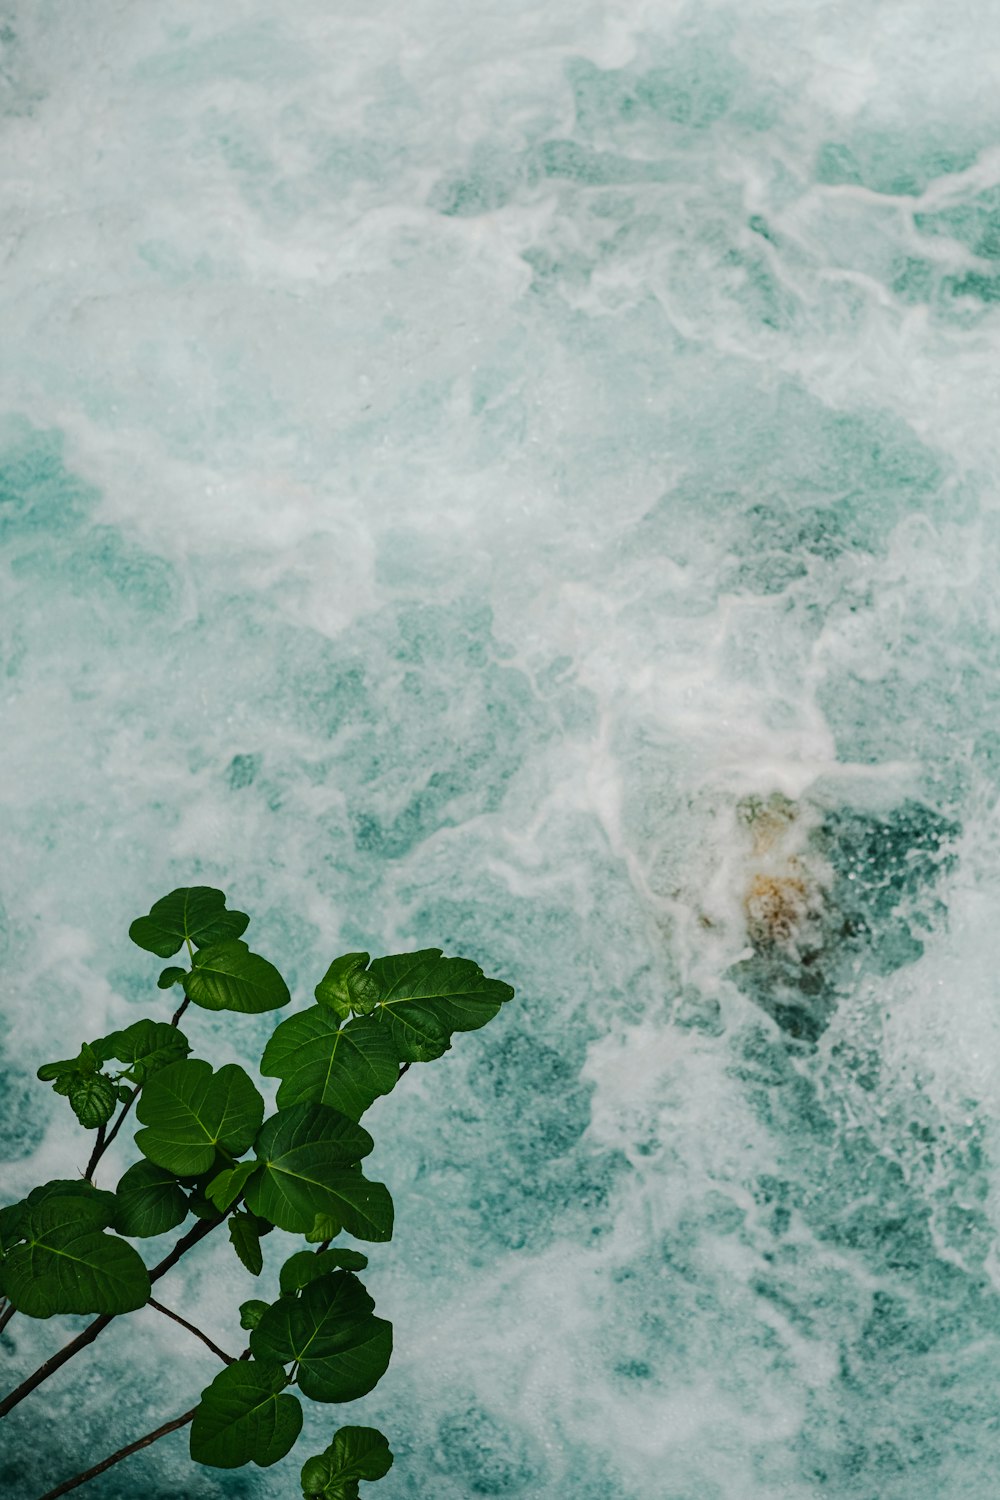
(227, 1187)
(356, 1453)
(190, 1111)
(172, 975)
(245, 1236)
(307, 1158)
(69, 1265)
(202, 1207)
(345, 986)
(150, 1201)
(305, 1265)
(196, 914)
(145, 1047)
(228, 976)
(423, 998)
(321, 1062)
(251, 1312)
(341, 1348)
(245, 1416)
(11, 1226)
(65, 1072)
(93, 1100)
(324, 1228)
(98, 1205)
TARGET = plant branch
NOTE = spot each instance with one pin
(96, 1154)
(6, 1315)
(104, 1141)
(121, 1118)
(116, 1458)
(159, 1307)
(89, 1334)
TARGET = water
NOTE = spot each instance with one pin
(521, 480)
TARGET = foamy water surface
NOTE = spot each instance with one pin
(523, 480)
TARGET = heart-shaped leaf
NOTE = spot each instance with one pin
(150, 1201)
(189, 1111)
(423, 998)
(356, 1453)
(305, 1265)
(307, 1165)
(322, 1062)
(196, 914)
(227, 976)
(342, 1350)
(245, 1416)
(96, 1208)
(66, 1264)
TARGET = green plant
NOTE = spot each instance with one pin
(207, 1151)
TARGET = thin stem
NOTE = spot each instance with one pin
(121, 1118)
(89, 1334)
(6, 1315)
(104, 1141)
(116, 1458)
(226, 1358)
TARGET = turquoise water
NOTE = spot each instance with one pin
(522, 480)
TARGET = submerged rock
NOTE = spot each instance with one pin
(827, 892)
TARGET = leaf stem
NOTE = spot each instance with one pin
(6, 1315)
(89, 1334)
(116, 1458)
(159, 1307)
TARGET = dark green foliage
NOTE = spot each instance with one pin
(225, 1189)
(91, 1094)
(342, 1350)
(244, 1233)
(245, 1416)
(59, 1259)
(195, 916)
(356, 1453)
(144, 1047)
(191, 1111)
(149, 1201)
(305, 1265)
(346, 988)
(322, 1061)
(61, 1250)
(251, 1312)
(308, 1159)
(228, 976)
(423, 998)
